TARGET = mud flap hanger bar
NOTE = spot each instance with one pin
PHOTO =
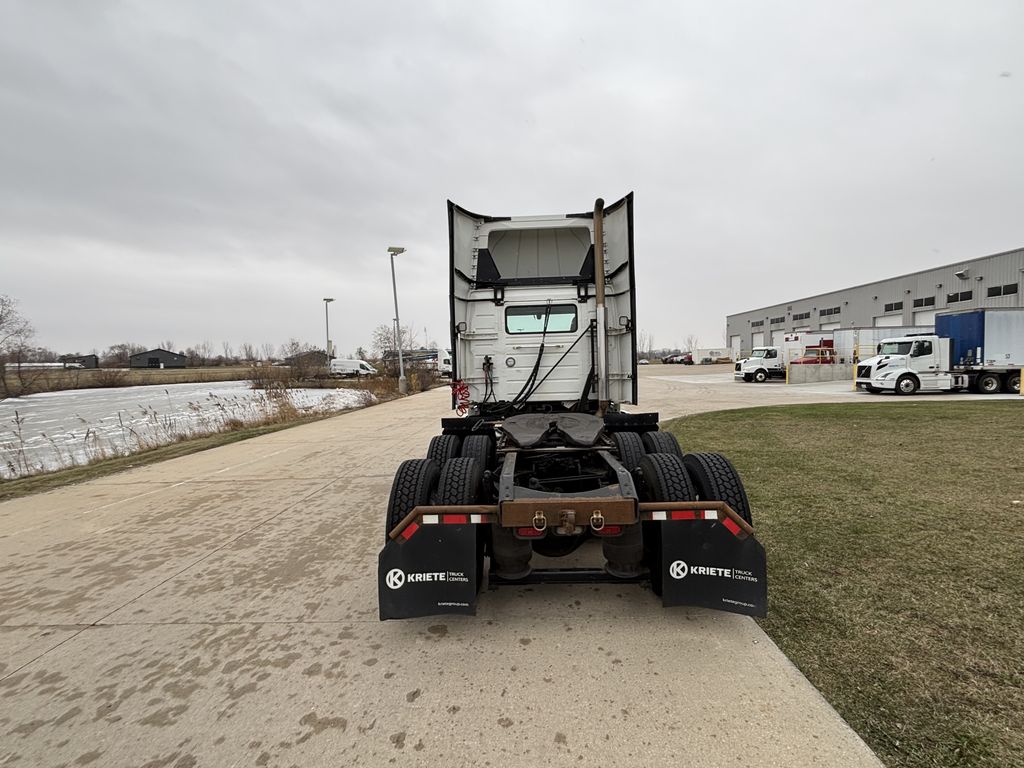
(476, 514)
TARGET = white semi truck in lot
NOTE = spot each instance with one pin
(769, 362)
(978, 350)
(543, 459)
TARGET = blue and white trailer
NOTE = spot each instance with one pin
(980, 350)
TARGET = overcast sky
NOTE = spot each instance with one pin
(194, 170)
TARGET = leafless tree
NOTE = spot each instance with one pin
(383, 339)
(168, 345)
(267, 351)
(645, 343)
(691, 344)
(119, 355)
(229, 353)
(15, 330)
(247, 351)
(200, 353)
(15, 334)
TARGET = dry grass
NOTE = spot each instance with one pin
(48, 481)
(34, 381)
(894, 545)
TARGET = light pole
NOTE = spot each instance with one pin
(403, 385)
(327, 326)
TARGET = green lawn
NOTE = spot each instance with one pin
(895, 555)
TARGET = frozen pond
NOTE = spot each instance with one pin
(60, 429)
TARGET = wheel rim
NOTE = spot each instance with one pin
(988, 385)
(907, 386)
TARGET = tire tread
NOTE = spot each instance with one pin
(716, 479)
(413, 486)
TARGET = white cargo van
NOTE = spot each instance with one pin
(352, 368)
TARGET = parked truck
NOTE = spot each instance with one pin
(769, 362)
(977, 350)
(543, 458)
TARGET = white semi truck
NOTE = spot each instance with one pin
(976, 350)
(769, 362)
(544, 459)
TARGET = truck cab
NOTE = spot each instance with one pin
(764, 363)
(908, 363)
(815, 356)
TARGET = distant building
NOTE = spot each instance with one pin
(899, 302)
(157, 358)
(86, 361)
(312, 359)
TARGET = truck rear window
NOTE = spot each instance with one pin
(560, 318)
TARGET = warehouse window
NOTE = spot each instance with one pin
(953, 298)
(757, 324)
(829, 311)
(1003, 290)
(896, 305)
(926, 301)
(777, 320)
(801, 316)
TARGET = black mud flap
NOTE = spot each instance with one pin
(704, 564)
(433, 570)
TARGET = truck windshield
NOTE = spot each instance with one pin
(759, 353)
(895, 347)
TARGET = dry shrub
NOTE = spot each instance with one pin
(270, 377)
(111, 377)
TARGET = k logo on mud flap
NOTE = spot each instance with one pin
(395, 578)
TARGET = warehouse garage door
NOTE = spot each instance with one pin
(757, 340)
(734, 345)
(889, 321)
(778, 337)
(924, 317)
(831, 326)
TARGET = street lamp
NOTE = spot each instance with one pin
(403, 385)
(327, 326)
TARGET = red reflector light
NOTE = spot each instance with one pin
(734, 529)
(454, 519)
(684, 514)
(530, 533)
(609, 530)
(409, 530)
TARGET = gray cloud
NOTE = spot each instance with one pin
(210, 171)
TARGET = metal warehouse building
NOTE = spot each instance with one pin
(908, 300)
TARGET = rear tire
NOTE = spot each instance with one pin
(716, 479)
(412, 487)
(665, 479)
(630, 447)
(989, 384)
(906, 384)
(662, 442)
(443, 447)
(481, 448)
(1013, 383)
(459, 484)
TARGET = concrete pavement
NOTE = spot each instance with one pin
(220, 609)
